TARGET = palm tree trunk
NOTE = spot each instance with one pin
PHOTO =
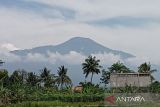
(61, 86)
(91, 77)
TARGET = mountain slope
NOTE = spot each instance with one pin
(85, 46)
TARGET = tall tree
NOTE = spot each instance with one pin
(46, 77)
(45, 74)
(3, 74)
(119, 67)
(32, 79)
(63, 78)
(146, 68)
(3, 77)
(91, 66)
(18, 77)
(105, 77)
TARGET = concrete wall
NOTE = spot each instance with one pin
(138, 80)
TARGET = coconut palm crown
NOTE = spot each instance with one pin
(119, 67)
(146, 68)
(63, 78)
(91, 66)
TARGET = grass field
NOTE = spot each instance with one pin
(76, 104)
(55, 104)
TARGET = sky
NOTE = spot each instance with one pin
(132, 26)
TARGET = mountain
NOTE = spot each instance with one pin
(85, 46)
(81, 45)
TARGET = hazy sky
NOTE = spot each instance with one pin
(128, 25)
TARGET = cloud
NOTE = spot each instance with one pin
(136, 61)
(108, 58)
(75, 58)
(8, 47)
(27, 29)
(126, 21)
(5, 54)
(38, 8)
(8, 57)
(72, 58)
(35, 58)
(95, 9)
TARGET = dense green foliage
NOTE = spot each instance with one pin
(29, 89)
(119, 67)
(105, 77)
(22, 86)
(146, 68)
(155, 87)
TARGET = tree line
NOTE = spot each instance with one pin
(47, 79)
(22, 85)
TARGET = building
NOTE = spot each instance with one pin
(133, 79)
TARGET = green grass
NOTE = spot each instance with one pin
(55, 104)
(75, 104)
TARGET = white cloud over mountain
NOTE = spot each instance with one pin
(8, 57)
(8, 47)
(72, 58)
(43, 22)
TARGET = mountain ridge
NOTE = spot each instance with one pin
(83, 45)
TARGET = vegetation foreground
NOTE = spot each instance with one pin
(28, 89)
(74, 104)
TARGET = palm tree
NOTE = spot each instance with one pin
(32, 79)
(146, 68)
(91, 65)
(119, 67)
(46, 77)
(62, 78)
(45, 74)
